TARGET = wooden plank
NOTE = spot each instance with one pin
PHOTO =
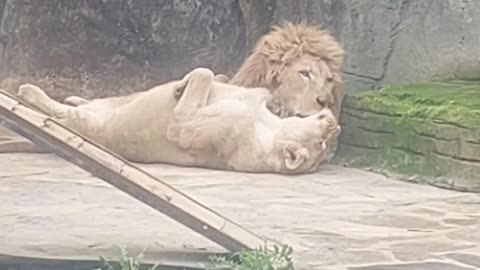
(19, 145)
(118, 172)
(11, 142)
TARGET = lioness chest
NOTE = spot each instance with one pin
(248, 144)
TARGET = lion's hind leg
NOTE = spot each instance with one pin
(37, 98)
(81, 120)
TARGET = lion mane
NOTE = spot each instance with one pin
(285, 43)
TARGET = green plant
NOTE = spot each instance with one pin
(257, 259)
(126, 262)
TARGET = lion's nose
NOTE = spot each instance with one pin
(321, 102)
(325, 101)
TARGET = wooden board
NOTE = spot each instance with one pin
(123, 175)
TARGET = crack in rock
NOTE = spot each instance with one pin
(394, 31)
(362, 76)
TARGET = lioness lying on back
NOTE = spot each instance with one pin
(198, 122)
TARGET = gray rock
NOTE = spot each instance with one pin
(100, 48)
(396, 42)
(112, 47)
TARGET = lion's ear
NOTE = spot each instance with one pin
(294, 156)
(272, 77)
(258, 70)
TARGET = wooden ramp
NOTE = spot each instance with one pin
(123, 175)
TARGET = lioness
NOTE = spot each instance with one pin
(197, 121)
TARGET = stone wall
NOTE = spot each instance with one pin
(105, 47)
(423, 133)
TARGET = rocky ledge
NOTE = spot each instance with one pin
(428, 133)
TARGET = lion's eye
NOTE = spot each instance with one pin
(305, 74)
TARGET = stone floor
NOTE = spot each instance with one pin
(338, 218)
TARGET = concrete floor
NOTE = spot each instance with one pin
(337, 218)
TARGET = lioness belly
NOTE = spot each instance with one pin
(136, 130)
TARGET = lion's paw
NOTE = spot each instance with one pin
(75, 101)
(31, 94)
(324, 121)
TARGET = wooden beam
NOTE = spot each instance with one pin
(46, 132)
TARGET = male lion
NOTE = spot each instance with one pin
(197, 121)
(300, 64)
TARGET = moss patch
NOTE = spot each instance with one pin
(423, 132)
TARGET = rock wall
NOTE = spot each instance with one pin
(105, 47)
(111, 47)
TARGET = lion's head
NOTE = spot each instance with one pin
(306, 147)
(300, 64)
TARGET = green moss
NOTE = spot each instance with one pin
(451, 102)
(425, 132)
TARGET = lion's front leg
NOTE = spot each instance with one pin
(192, 93)
(221, 78)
